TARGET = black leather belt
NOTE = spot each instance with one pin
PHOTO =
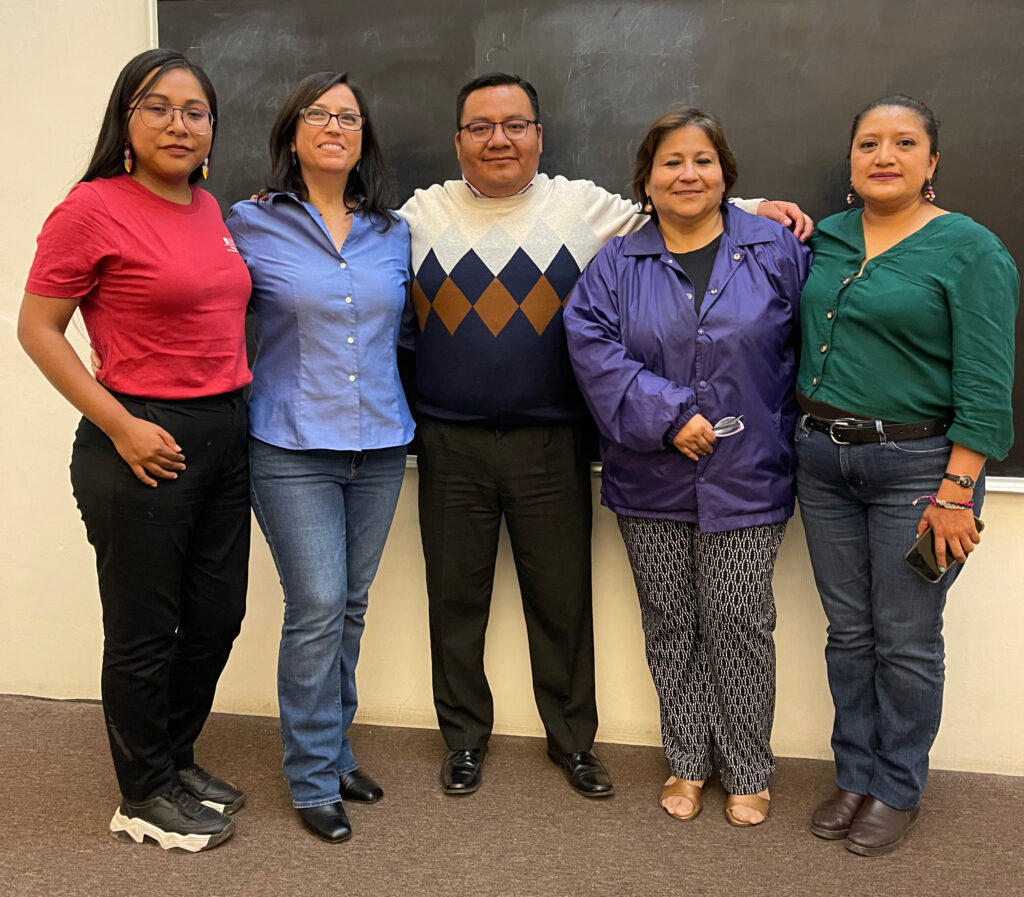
(850, 431)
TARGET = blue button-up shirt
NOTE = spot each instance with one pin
(325, 375)
(647, 362)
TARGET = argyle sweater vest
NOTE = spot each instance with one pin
(490, 279)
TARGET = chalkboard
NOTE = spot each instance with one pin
(785, 77)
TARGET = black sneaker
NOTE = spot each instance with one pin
(208, 789)
(173, 820)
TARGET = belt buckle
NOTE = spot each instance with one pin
(831, 429)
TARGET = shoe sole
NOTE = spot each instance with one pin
(830, 834)
(125, 828)
(455, 792)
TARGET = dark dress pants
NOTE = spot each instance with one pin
(538, 478)
(173, 571)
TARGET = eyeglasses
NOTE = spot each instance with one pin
(728, 426)
(321, 118)
(160, 115)
(513, 128)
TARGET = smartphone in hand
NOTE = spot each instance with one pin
(921, 557)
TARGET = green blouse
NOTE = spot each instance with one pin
(925, 332)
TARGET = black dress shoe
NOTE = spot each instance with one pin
(878, 828)
(328, 822)
(462, 771)
(358, 786)
(832, 817)
(585, 773)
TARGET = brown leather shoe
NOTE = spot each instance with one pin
(832, 817)
(878, 828)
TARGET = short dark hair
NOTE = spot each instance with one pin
(369, 183)
(108, 156)
(673, 120)
(928, 121)
(495, 79)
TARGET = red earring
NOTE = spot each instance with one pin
(128, 160)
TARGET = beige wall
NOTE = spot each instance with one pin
(61, 57)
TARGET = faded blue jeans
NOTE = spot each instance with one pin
(326, 516)
(885, 653)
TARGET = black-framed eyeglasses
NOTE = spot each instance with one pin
(513, 128)
(321, 118)
(160, 115)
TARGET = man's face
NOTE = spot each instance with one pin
(499, 165)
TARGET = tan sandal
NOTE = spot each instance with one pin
(756, 803)
(681, 788)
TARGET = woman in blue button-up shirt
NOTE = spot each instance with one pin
(329, 422)
(679, 327)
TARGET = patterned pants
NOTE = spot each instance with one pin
(708, 613)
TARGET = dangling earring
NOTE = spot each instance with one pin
(648, 206)
(929, 190)
(206, 168)
(851, 196)
(128, 160)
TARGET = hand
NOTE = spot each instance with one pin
(696, 438)
(953, 532)
(788, 214)
(148, 449)
(95, 361)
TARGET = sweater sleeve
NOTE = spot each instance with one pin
(631, 404)
(983, 292)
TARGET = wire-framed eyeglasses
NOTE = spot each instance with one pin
(321, 118)
(513, 128)
(196, 120)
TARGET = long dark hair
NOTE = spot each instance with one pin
(108, 157)
(368, 183)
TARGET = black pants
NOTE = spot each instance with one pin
(173, 571)
(539, 479)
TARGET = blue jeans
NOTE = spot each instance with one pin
(885, 653)
(326, 516)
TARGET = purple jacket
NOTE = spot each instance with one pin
(646, 363)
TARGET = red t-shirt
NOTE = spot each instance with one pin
(163, 288)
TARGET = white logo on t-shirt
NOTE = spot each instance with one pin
(230, 244)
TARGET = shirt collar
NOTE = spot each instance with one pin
(480, 195)
(742, 229)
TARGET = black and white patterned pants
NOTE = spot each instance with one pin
(708, 613)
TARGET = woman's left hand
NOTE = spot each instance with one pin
(953, 531)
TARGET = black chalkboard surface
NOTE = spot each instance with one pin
(785, 77)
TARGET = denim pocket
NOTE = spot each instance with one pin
(928, 445)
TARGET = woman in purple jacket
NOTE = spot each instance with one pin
(682, 334)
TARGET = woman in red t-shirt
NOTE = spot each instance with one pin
(159, 464)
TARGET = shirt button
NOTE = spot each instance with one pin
(700, 331)
(830, 315)
(343, 265)
(714, 291)
(815, 381)
(351, 339)
(352, 378)
(703, 383)
(348, 299)
(689, 295)
(823, 348)
(737, 256)
(846, 280)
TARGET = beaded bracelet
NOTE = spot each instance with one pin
(942, 503)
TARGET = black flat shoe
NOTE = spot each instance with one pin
(462, 771)
(358, 786)
(585, 773)
(328, 822)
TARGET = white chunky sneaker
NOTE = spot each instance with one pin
(175, 820)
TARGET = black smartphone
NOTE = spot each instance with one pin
(921, 557)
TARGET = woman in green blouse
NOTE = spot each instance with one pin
(905, 378)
